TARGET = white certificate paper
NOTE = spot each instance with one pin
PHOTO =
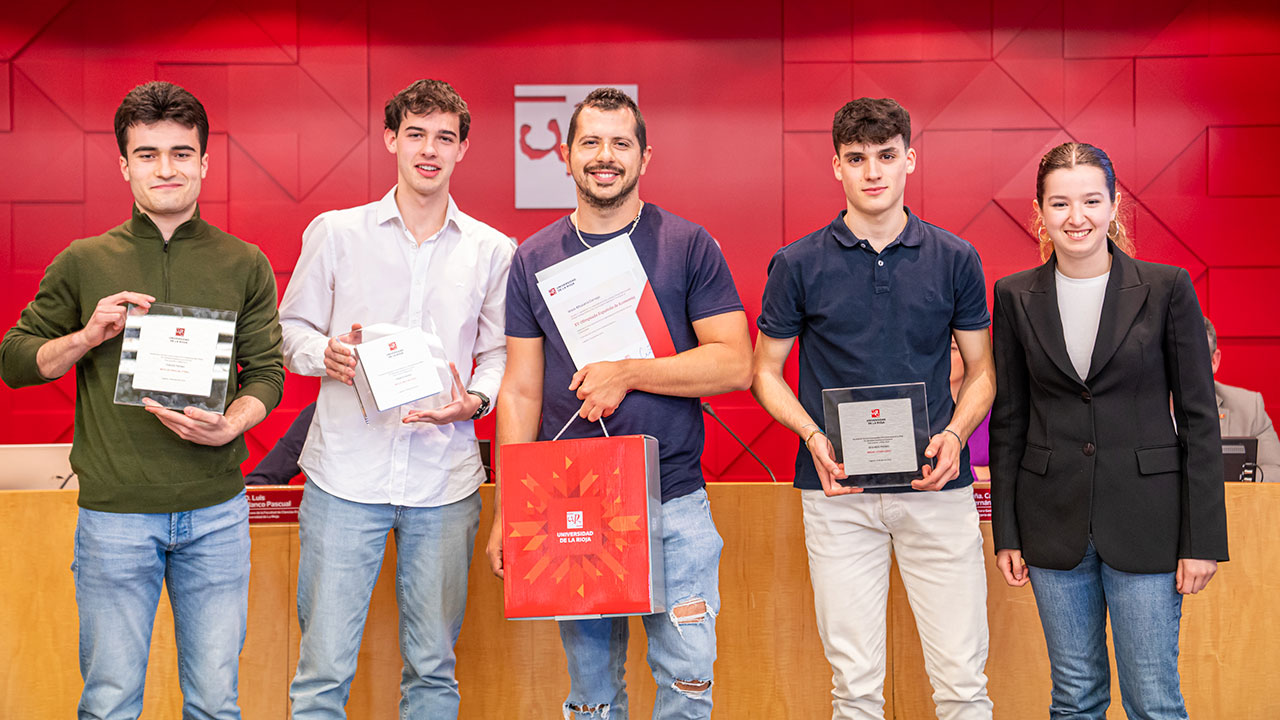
(593, 297)
(177, 354)
(878, 436)
(398, 368)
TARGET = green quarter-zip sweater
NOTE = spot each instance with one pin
(127, 461)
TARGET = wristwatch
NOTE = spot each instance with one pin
(484, 404)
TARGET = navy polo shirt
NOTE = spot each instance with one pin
(690, 280)
(864, 318)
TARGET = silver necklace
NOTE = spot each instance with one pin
(630, 230)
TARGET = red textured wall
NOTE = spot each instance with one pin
(1184, 95)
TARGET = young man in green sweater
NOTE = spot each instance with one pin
(161, 493)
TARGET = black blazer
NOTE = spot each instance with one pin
(1100, 456)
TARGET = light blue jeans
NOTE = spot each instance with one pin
(121, 560)
(1146, 610)
(341, 556)
(682, 641)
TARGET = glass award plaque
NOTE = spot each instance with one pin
(177, 355)
(879, 432)
(399, 366)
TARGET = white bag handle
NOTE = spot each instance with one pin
(571, 419)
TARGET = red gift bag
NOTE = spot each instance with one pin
(582, 528)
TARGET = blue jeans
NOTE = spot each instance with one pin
(121, 560)
(682, 641)
(1146, 610)
(341, 556)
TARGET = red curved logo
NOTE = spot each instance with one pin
(534, 153)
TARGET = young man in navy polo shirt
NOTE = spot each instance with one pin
(541, 390)
(874, 298)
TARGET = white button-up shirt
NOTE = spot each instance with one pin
(362, 265)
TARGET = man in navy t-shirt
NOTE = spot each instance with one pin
(874, 299)
(543, 389)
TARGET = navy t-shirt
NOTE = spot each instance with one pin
(864, 318)
(691, 281)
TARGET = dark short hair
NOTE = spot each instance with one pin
(425, 97)
(1212, 332)
(871, 121)
(609, 98)
(160, 101)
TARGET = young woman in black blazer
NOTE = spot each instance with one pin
(1103, 499)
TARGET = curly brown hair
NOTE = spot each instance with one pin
(424, 97)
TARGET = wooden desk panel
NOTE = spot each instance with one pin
(770, 659)
(1229, 647)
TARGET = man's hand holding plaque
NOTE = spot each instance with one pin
(944, 449)
(195, 425)
(109, 316)
(462, 405)
(830, 472)
(339, 360)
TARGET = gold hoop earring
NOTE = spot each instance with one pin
(1042, 232)
(1113, 230)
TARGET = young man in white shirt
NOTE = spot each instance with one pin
(414, 260)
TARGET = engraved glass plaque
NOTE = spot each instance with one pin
(398, 366)
(176, 355)
(879, 432)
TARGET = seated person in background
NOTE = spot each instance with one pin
(281, 464)
(1241, 413)
(979, 456)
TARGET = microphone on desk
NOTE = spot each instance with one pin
(706, 408)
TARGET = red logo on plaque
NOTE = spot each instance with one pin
(180, 332)
(552, 291)
(391, 346)
(875, 413)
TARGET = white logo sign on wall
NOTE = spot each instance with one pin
(542, 123)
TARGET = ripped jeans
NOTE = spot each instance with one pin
(682, 640)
